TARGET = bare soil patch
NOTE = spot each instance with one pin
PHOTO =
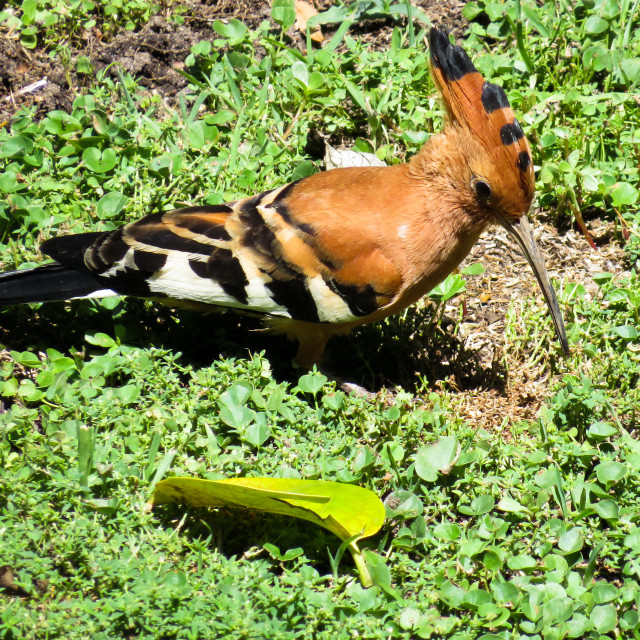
(155, 52)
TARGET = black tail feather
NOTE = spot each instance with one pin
(70, 250)
(45, 283)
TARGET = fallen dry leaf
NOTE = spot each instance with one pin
(340, 158)
(304, 11)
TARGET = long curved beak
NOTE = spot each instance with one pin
(520, 229)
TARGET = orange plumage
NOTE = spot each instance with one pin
(334, 250)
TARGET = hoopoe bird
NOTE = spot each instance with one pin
(332, 251)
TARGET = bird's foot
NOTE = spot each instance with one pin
(355, 389)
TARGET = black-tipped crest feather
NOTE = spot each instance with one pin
(493, 97)
(484, 110)
(452, 60)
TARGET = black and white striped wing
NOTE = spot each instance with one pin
(247, 255)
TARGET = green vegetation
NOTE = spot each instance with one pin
(57, 24)
(530, 531)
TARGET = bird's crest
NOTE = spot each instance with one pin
(481, 107)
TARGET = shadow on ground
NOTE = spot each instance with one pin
(240, 532)
(407, 351)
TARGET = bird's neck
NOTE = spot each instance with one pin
(438, 237)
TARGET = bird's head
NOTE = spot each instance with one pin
(495, 168)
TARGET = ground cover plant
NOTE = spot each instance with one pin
(516, 523)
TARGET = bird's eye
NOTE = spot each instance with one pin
(483, 190)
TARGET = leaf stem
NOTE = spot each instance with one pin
(361, 565)
(520, 39)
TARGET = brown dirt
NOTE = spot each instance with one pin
(509, 281)
(155, 53)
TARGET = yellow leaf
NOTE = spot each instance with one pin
(348, 511)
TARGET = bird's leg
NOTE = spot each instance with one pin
(310, 352)
(354, 389)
